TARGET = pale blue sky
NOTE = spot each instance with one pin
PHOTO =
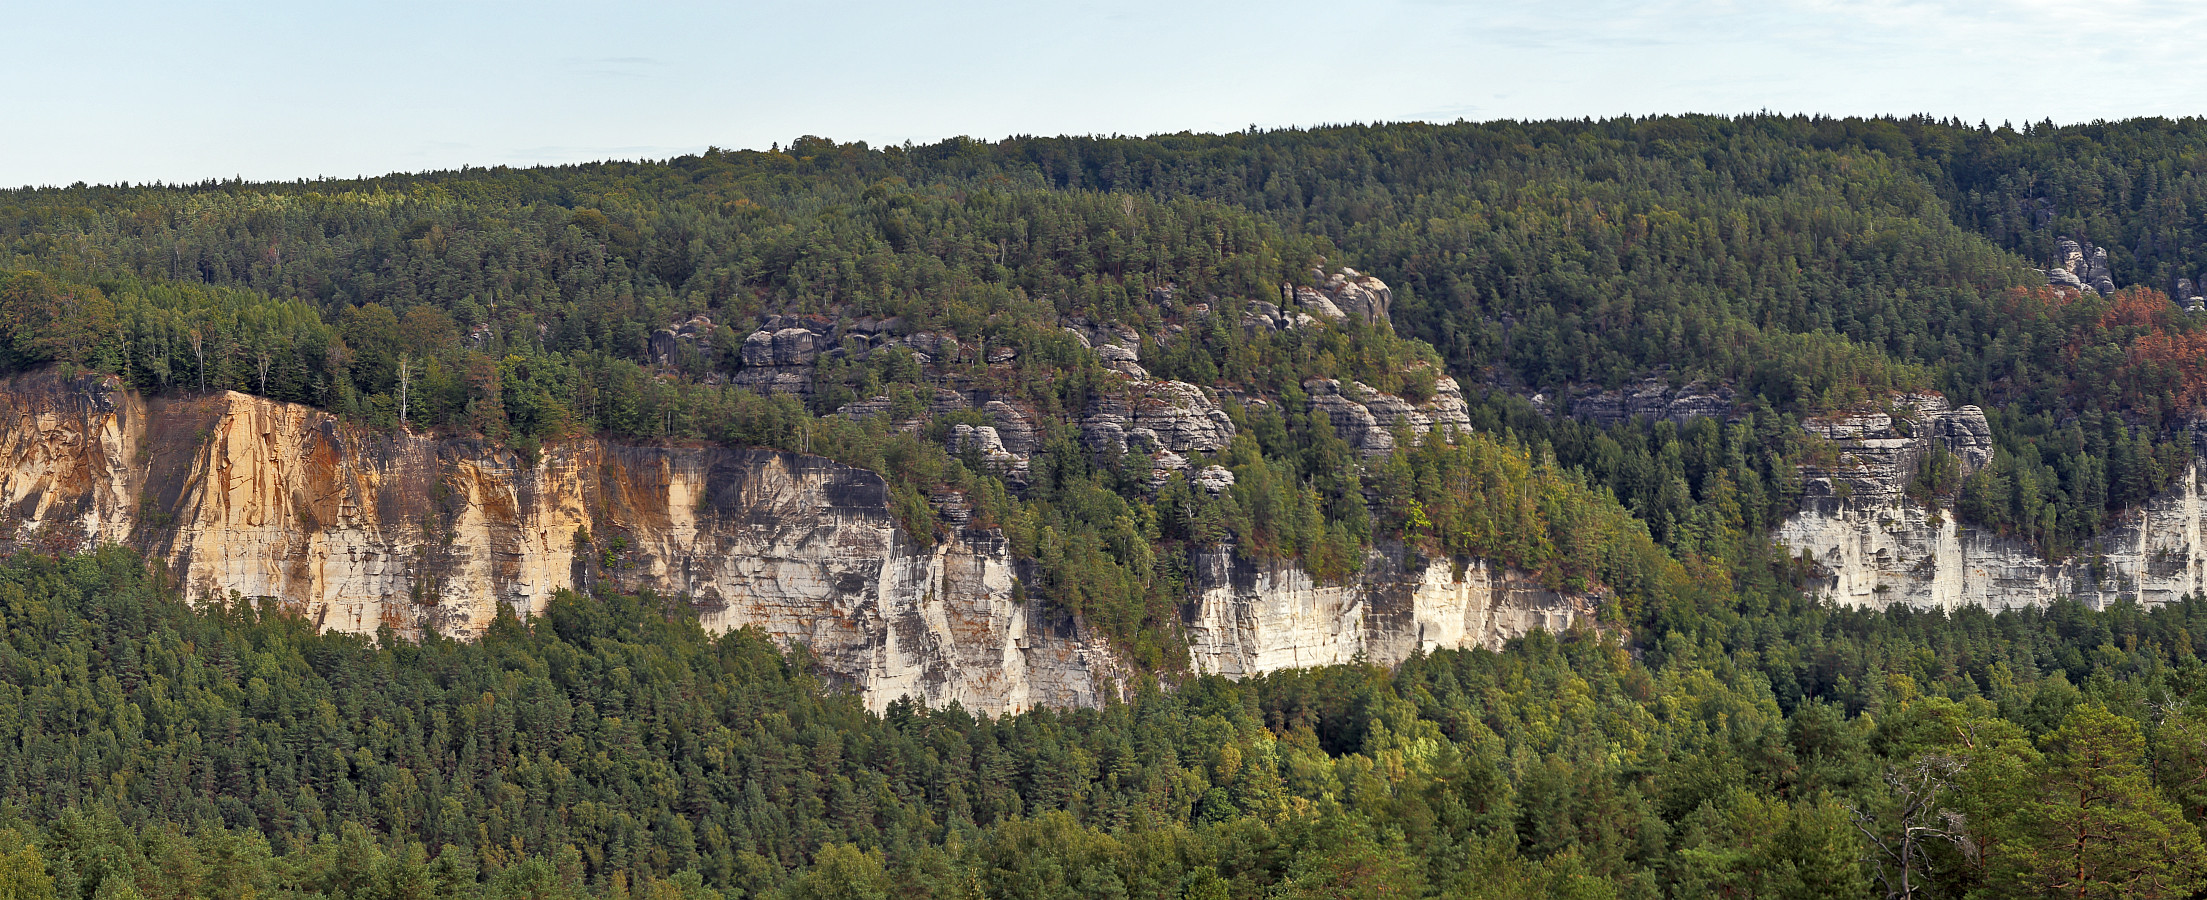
(107, 91)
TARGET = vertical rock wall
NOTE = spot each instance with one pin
(1254, 617)
(360, 530)
(1875, 546)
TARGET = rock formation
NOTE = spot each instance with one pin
(2078, 266)
(360, 530)
(1366, 419)
(1874, 546)
(1654, 399)
(1254, 617)
(1341, 295)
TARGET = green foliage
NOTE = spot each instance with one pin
(610, 748)
(1726, 738)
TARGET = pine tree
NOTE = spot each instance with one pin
(2094, 826)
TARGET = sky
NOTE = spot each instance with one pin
(104, 92)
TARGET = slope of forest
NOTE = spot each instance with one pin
(967, 318)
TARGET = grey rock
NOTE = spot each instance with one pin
(791, 346)
(1121, 359)
(984, 441)
(1214, 479)
(1878, 453)
(1164, 467)
(795, 347)
(1653, 399)
(1318, 304)
(1183, 419)
(932, 346)
(1262, 318)
(1361, 295)
(1366, 419)
(1104, 436)
(1874, 545)
(758, 349)
(1012, 428)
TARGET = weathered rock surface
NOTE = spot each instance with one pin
(1366, 419)
(1149, 416)
(2078, 265)
(1256, 617)
(1653, 399)
(667, 343)
(1874, 546)
(358, 530)
(1341, 295)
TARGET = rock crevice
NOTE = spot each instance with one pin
(360, 530)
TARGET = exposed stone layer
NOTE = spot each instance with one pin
(360, 530)
(1255, 617)
(1875, 546)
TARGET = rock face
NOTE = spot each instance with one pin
(1253, 617)
(1150, 416)
(1653, 399)
(1873, 546)
(359, 530)
(2078, 265)
(1341, 295)
(1366, 419)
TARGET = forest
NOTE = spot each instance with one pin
(611, 748)
(1720, 733)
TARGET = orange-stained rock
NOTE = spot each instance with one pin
(359, 529)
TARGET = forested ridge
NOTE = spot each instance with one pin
(1720, 734)
(609, 747)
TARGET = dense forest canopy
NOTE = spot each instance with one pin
(1815, 263)
(610, 747)
(1722, 735)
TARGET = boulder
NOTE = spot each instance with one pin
(1121, 359)
(1214, 479)
(1179, 415)
(1318, 304)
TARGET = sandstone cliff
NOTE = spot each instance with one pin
(360, 529)
(1254, 617)
(1874, 546)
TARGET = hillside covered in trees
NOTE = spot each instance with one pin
(611, 748)
(1720, 736)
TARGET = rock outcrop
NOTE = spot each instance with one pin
(1654, 399)
(2079, 266)
(1367, 419)
(1343, 294)
(1873, 545)
(361, 530)
(1152, 416)
(1253, 617)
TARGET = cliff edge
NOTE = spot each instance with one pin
(1873, 545)
(360, 529)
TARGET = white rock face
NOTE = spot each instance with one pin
(1256, 617)
(358, 530)
(1875, 547)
